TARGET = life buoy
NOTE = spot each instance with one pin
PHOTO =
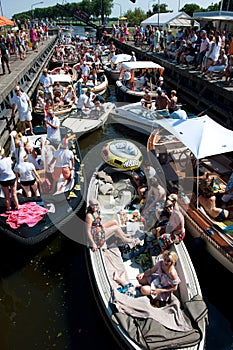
(122, 154)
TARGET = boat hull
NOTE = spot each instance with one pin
(100, 273)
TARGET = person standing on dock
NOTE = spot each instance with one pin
(24, 106)
(4, 56)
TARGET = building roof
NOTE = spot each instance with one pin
(214, 15)
(173, 19)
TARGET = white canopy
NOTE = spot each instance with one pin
(140, 65)
(121, 57)
(62, 78)
(202, 135)
(170, 19)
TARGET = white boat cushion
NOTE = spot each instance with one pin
(106, 188)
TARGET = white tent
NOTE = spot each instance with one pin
(170, 19)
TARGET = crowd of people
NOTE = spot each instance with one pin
(17, 43)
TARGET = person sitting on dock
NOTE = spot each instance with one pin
(207, 199)
(146, 101)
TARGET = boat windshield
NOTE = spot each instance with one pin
(150, 115)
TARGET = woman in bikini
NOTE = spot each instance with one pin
(97, 231)
(207, 200)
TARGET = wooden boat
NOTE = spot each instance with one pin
(207, 145)
(100, 88)
(61, 111)
(112, 68)
(133, 92)
(134, 329)
(82, 123)
(65, 69)
(40, 217)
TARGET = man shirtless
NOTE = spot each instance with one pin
(208, 201)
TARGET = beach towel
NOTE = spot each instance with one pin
(29, 213)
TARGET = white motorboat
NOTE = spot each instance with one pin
(144, 326)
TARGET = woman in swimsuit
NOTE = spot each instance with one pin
(207, 200)
(97, 231)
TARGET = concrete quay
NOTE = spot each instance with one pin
(206, 96)
(25, 73)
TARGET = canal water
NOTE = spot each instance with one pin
(46, 301)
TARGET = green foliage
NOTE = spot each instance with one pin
(135, 17)
(191, 8)
(162, 8)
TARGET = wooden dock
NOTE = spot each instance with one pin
(210, 97)
(25, 73)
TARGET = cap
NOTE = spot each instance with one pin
(146, 90)
(160, 78)
(45, 70)
(158, 89)
(50, 111)
(172, 197)
(169, 31)
(17, 88)
(93, 202)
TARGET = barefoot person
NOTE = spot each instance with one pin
(126, 287)
(98, 231)
(161, 280)
(8, 180)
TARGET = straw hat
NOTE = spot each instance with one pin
(93, 202)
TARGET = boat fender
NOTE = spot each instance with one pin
(209, 231)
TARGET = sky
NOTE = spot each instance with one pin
(10, 7)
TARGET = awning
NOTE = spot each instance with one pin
(6, 22)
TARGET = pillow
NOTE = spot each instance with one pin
(103, 176)
(106, 188)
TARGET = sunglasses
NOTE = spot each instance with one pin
(169, 206)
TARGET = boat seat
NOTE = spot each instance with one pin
(215, 165)
(107, 202)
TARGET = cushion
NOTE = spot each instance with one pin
(106, 188)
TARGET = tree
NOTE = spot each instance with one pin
(191, 8)
(135, 17)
